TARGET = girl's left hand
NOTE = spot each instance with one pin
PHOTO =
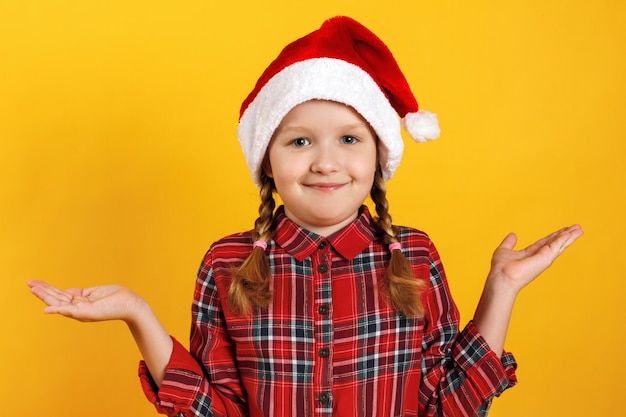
(517, 268)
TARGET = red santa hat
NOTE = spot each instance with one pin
(342, 61)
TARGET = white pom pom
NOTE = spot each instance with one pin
(422, 126)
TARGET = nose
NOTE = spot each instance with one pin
(326, 160)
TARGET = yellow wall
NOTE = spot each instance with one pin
(119, 163)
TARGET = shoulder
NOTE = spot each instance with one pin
(412, 238)
(233, 241)
(232, 249)
(421, 253)
(417, 244)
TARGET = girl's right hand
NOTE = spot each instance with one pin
(106, 302)
(113, 302)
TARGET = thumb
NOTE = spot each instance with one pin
(509, 242)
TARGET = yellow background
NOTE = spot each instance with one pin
(119, 163)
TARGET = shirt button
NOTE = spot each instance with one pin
(324, 397)
(323, 309)
(322, 245)
(322, 268)
(324, 352)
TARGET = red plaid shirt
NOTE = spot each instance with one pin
(328, 344)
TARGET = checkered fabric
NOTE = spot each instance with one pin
(328, 345)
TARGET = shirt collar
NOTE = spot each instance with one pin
(301, 243)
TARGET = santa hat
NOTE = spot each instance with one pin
(342, 61)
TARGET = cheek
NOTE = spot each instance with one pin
(285, 177)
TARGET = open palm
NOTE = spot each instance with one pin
(106, 302)
(520, 267)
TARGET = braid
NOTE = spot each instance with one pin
(250, 283)
(263, 224)
(379, 197)
(400, 285)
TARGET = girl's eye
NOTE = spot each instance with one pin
(300, 142)
(349, 140)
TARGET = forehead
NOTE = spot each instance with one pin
(322, 112)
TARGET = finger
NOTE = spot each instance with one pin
(60, 294)
(80, 309)
(565, 239)
(552, 237)
(543, 241)
(42, 286)
(51, 295)
(556, 246)
(34, 283)
(44, 296)
(509, 242)
(67, 310)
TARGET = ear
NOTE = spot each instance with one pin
(266, 166)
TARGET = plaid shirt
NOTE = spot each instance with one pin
(328, 344)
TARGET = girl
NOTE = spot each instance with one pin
(323, 309)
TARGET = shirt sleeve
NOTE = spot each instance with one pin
(204, 379)
(460, 373)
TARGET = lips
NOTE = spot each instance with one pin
(325, 186)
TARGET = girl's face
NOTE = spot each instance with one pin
(323, 159)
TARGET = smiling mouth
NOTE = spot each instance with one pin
(325, 186)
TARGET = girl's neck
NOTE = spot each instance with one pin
(321, 229)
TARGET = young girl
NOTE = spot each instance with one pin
(323, 309)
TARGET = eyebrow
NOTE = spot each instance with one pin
(297, 128)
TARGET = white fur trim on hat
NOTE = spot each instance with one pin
(322, 79)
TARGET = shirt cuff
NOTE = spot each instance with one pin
(181, 382)
(491, 375)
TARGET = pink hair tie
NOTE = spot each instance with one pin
(260, 244)
(394, 246)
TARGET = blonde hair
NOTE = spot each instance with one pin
(250, 283)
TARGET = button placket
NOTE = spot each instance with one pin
(323, 324)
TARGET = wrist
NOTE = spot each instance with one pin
(137, 310)
(500, 287)
(493, 313)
